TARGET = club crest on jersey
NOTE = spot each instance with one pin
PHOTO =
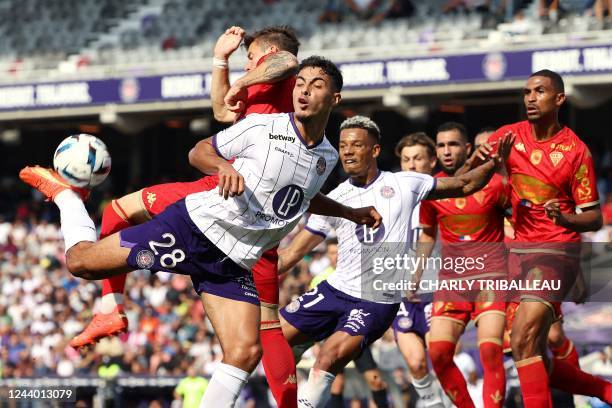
(404, 322)
(555, 157)
(287, 201)
(460, 202)
(520, 147)
(369, 236)
(145, 259)
(293, 306)
(321, 165)
(387, 191)
(536, 157)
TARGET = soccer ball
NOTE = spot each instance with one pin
(82, 160)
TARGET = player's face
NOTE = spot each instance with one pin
(314, 94)
(255, 52)
(541, 98)
(358, 151)
(332, 254)
(417, 158)
(452, 150)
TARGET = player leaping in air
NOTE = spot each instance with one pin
(217, 237)
(342, 310)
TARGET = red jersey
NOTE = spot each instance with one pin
(560, 167)
(478, 218)
(270, 98)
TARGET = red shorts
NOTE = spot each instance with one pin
(560, 271)
(462, 312)
(155, 200)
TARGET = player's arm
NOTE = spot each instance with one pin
(227, 43)
(474, 180)
(205, 157)
(303, 243)
(323, 205)
(590, 219)
(274, 68)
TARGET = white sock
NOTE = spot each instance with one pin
(429, 391)
(110, 301)
(75, 222)
(316, 392)
(224, 387)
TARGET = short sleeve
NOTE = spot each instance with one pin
(584, 182)
(234, 140)
(320, 225)
(427, 214)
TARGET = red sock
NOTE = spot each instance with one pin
(566, 377)
(279, 366)
(441, 353)
(114, 219)
(534, 383)
(494, 384)
(566, 351)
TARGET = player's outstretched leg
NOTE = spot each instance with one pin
(444, 335)
(241, 352)
(490, 333)
(412, 347)
(111, 319)
(528, 341)
(277, 359)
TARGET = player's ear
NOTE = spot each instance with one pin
(376, 150)
(272, 49)
(336, 98)
(468, 146)
(560, 98)
(433, 161)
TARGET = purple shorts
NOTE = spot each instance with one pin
(412, 318)
(325, 310)
(171, 242)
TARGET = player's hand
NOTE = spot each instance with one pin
(228, 42)
(365, 215)
(504, 148)
(553, 210)
(231, 183)
(235, 98)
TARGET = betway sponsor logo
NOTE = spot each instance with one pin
(282, 138)
(270, 218)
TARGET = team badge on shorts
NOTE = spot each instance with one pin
(293, 306)
(387, 191)
(404, 323)
(145, 259)
(321, 165)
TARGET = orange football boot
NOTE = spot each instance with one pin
(102, 325)
(48, 182)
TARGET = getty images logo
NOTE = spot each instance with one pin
(288, 201)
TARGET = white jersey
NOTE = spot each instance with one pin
(395, 196)
(281, 176)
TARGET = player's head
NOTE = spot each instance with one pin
(543, 95)
(452, 146)
(359, 146)
(317, 89)
(483, 135)
(417, 152)
(332, 251)
(268, 40)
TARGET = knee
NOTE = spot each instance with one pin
(243, 356)
(75, 264)
(555, 337)
(417, 366)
